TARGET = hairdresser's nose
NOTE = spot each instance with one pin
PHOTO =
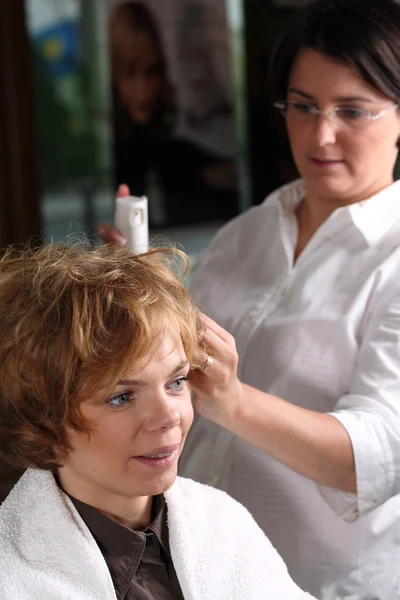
(162, 412)
(325, 130)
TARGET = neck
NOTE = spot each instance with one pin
(315, 209)
(310, 215)
(133, 512)
(137, 518)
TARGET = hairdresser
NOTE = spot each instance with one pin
(308, 285)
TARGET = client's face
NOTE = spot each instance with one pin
(138, 431)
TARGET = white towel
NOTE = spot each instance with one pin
(219, 553)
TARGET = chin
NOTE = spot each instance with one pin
(141, 118)
(159, 484)
(330, 187)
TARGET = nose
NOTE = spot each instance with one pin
(162, 414)
(325, 130)
(143, 91)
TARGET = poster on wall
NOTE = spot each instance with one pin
(173, 107)
(54, 31)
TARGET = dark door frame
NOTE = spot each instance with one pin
(19, 180)
(19, 186)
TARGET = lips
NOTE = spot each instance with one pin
(162, 452)
(161, 455)
(159, 458)
(325, 161)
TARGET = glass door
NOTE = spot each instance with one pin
(72, 98)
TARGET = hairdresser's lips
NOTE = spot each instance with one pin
(159, 457)
(325, 163)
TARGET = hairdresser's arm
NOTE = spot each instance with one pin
(313, 444)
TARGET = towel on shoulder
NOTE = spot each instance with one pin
(219, 552)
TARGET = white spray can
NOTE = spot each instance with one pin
(131, 218)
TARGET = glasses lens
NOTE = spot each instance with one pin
(301, 111)
(352, 117)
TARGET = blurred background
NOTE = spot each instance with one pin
(168, 96)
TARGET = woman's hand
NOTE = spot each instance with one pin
(218, 391)
(108, 233)
(313, 444)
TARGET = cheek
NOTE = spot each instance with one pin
(119, 83)
(384, 143)
(107, 438)
(186, 413)
(154, 85)
(353, 147)
(129, 92)
(367, 151)
(126, 90)
(299, 139)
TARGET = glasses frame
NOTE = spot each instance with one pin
(316, 112)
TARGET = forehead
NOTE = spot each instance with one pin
(168, 352)
(321, 77)
(130, 44)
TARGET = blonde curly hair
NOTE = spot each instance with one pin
(72, 320)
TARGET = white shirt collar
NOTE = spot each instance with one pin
(373, 217)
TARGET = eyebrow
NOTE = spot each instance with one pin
(338, 99)
(181, 366)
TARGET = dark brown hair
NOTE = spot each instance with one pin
(73, 319)
(362, 34)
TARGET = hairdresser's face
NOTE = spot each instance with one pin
(136, 71)
(340, 162)
(138, 432)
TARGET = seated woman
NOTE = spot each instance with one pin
(96, 350)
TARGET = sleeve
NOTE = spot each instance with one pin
(370, 412)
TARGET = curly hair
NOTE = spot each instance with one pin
(73, 319)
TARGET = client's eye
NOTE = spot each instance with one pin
(120, 400)
(179, 384)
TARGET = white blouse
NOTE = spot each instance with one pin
(323, 333)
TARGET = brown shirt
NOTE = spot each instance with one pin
(140, 562)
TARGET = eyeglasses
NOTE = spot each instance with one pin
(305, 112)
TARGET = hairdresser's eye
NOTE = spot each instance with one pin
(120, 400)
(349, 113)
(179, 384)
(303, 108)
